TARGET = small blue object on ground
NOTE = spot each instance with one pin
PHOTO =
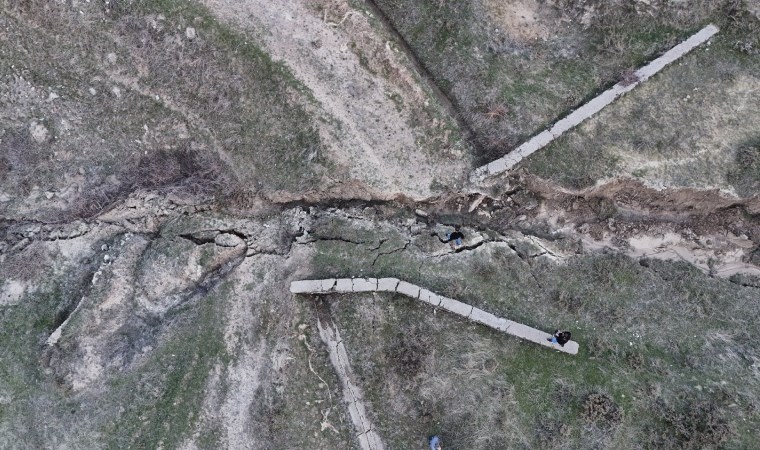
(458, 241)
(435, 443)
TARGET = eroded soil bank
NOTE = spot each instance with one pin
(111, 305)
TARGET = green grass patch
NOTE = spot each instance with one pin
(163, 397)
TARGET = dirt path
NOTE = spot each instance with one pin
(372, 125)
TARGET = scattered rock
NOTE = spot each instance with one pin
(111, 58)
(39, 132)
(52, 96)
(190, 33)
(228, 240)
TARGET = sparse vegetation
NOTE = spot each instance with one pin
(694, 424)
(745, 176)
(601, 410)
(538, 58)
(689, 141)
(235, 112)
(632, 320)
(182, 331)
(183, 170)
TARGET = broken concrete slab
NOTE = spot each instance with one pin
(512, 159)
(364, 284)
(344, 285)
(305, 286)
(506, 326)
(526, 149)
(533, 144)
(496, 166)
(387, 284)
(563, 125)
(488, 319)
(408, 289)
(594, 106)
(456, 306)
(479, 174)
(427, 296)
(430, 297)
(327, 285)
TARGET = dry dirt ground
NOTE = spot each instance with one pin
(167, 168)
(379, 123)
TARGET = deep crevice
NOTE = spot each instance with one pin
(449, 103)
(197, 240)
(396, 250)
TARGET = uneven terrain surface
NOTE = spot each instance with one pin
(168, 168)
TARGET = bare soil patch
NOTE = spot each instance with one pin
(379, 125)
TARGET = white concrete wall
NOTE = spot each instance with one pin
(573, 119)
(341, 285)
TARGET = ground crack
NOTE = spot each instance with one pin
(395, 250)
(197, 240)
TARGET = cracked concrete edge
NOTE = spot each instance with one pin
(595, 105)
(352, 395)
(408, 289)
(430, 297)
(457, 307)
(305, 286)
(328, 284)
(344, 285)
(387, 284)
(364, 284)
(454, 306)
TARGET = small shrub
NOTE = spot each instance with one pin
(26, 264)
(745, 177)
(634, 360)
(496, 112)
(20, 158)
(600, 409)
(550, 431)
(629, 77)
(5, 167)
(566, 301)
(182, 169)
(407, 352)
(485, 269)
(697, 425)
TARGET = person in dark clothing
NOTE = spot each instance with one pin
(560, 337)
(454, 238)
